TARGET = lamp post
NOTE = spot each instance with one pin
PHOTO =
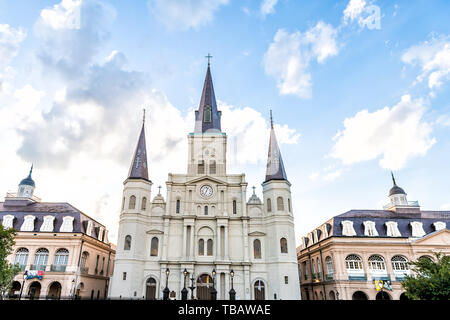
(232, 291)
(166, 290)
(192, 287)
(184, 291)
(25, 275)
(213, 290)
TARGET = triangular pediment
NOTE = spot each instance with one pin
(206, 178)
(437, 238)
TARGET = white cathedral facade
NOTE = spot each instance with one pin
(206, 239)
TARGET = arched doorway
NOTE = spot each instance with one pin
(259, 290)
(150, 292)
(332, 295)
(34, 291)
(204, 286)
(359, 295)
(404, 297)
(382, 295)
(54, 291)
(15, 290)
(80, 288)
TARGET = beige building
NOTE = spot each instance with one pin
(64, 253)
(342, 258)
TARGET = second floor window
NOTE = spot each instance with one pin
(283, 245)
(41, 257)
(132, 203)
(21, 257)
(62, 257)
(257, 249)
(127, 244)
(154, 247)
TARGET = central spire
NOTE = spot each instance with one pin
(138, 168)
(275, 167)
(207, 117)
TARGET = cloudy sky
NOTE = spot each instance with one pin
(357, 87)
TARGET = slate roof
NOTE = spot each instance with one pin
(57, 209)
(275, 167)
(139, 167)
(208, 99)
(380, 217)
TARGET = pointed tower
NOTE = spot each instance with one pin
(131, 239)
(26, 186)
(207, 144)
(280, 247)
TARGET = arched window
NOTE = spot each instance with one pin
(40, 259)
(132, 203)
(144, 203)
(269, 205)
(234, 207)
(289, 204)
(318, 266)
(353, 263)
(62, 257)
(154, 247)
(212, 166)
(207, 114)
(376, 263)
(399, 264)
(257, 249)
(123, 203)
(206, 210)
(283, 245)
(21, 257)
(177, 208)
(280, 204)
(201, 247)
(209, 247)
(329, 264)
(127, 244)
(84, 258)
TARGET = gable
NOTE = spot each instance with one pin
(437, 238)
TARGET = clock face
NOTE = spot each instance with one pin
(206, 191)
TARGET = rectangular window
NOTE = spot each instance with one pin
(124, 277)
(201, 167)
(286, 279)
(212, 167)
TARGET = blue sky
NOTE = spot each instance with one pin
(357, 88)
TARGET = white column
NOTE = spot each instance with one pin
(227, 286)
(191, 255)
(165, 239)
(184, 241)
(218, 252)
(217, 286)
(244, 201)
(245, 239)
(226, 243)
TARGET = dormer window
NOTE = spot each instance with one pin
(67, 225)
(417, 229)
(369, 229)
(89, 228)
(28, 223)
(347, 228)
(207, 114)
(392, 229)
(47, 225)
(439, 225)
(8, 221)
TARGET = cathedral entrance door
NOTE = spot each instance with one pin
(150, 289)
(204, 286)
(259, 290)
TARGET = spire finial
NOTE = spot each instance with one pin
(271, 119)
(209, 56)
(31, 170)
(159, 191)
(143, 117)
(254, 190)
(393, 179)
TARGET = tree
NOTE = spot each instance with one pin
(430, 279)
(7, 270)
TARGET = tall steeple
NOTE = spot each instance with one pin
(207, 117)
(275, 168)
(138, 168)
(395, 189)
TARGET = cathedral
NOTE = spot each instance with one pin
(206, 240)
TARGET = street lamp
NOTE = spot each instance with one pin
(184, 291)
(213, 290)
(232, 291)
(25, 275)
(192, 287)
(166, 289)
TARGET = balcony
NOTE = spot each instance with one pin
(357, 277)
(58, 268)
(84, 270)
(38, 267)
(21, 267)
(329, 277)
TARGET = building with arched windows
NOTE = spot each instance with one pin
(206, 225)
(65, 253)
(359, 248)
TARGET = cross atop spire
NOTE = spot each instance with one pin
(209, 56)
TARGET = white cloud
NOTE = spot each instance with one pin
(433, 57)
(395, 134)
(289, 56)
(10, 39)
(268, 7)
(365, 13)
(185, 14)
(65, 15)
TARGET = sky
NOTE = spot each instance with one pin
(358, 88)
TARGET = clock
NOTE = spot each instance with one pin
(206, 191)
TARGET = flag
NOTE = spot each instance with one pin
(387, 285)
(378, 284)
